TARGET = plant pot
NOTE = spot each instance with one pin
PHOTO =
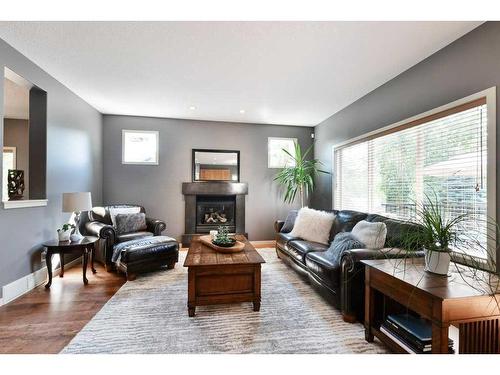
(437, 262)
(64, 235)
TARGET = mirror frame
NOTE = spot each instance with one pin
(193, 164)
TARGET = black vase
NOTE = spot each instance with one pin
(15, 184)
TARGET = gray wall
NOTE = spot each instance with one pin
(158, 188)
(16, 134)
(74, 147)
(467, 66)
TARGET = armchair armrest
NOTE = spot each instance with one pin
(156, 226)
(101, 230)
(278, 224)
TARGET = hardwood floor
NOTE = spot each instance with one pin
(44, 322)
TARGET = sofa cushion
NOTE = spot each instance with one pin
(323, 266)
(130, 223)
(133, 236)
(283, 238)
(313, 225)
(114, 211)
(289, 221)
(299, 248)
(398, 232)
(371, 234)
(344, 221)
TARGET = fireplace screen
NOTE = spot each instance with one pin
(213, 211)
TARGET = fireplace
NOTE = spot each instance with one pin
(213, 211)
(212, 204)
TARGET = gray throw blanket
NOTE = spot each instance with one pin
(141, 243)
(341, 243)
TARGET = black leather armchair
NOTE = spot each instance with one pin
(99, 224)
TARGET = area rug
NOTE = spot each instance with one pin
(149, 315)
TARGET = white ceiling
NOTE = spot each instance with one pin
(291, 73)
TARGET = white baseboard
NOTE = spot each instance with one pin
(21, 286)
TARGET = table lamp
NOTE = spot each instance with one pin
(76, 202)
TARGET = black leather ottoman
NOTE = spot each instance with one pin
(145, 254)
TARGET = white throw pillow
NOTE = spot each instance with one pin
(113, 211)
(371, 234)
(313, 225)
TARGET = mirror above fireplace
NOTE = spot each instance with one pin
(216, 165)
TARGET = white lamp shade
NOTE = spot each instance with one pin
(75, 202)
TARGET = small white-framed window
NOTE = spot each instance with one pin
(140, 147)
(276, 157)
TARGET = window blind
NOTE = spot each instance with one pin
(442, 156)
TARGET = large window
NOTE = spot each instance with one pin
(443, 155)
(140, 147)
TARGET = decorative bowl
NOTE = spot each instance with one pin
(231, 243)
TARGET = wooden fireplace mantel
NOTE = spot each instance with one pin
(214, 188)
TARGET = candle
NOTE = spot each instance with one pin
(213, 233)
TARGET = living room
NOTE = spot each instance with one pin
(249, 187)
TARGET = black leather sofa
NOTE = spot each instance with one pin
(99, 224)
(341, 283)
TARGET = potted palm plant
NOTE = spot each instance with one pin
(299, 178)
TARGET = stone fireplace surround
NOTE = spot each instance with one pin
(193, 190)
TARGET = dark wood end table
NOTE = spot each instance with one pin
(85, 247)
(398, 286)
(217, 278)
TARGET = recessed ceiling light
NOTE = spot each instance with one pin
(242, 111)
(192, 108)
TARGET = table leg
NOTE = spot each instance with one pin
(256, 288)
(92, 256)
(48, 260)
(440, 338)
(61, 260)
(191, 292)
(85, 261)
(191, 311)
(369, 307)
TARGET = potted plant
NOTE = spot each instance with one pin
(300, 177)
(437, 236)
(64, 232)
(222, 238)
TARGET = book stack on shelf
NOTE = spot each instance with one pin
(412, 333)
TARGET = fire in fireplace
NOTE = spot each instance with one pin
(213, 211)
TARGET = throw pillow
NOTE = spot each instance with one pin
(313, 225)
(128, 223)
(289, 221)
(342, 242)
(113, 211)
(371, 234)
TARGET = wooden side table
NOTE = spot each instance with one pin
(85, 247)
(398, 286)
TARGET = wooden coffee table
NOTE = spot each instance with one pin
(216, 278)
